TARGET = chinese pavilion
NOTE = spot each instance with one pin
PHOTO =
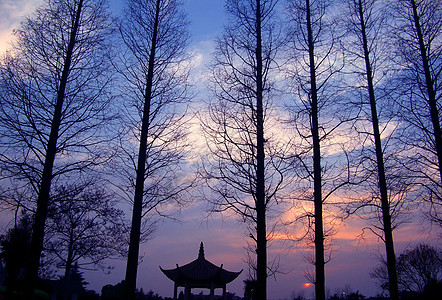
(200, 273)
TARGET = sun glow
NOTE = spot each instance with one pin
(307, 284)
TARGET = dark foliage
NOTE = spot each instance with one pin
(249, 289)
(116, 292)
(15, 251)
(419, 272)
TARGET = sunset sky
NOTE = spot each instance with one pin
(224, 238)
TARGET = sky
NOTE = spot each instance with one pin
(224, 238)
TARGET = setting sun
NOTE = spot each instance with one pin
(307, 284)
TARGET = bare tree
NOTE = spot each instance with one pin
(418, 269)
(416, 31)
(155, 68)
(54, 102)
(83, 229)
(245, 168)
(319, 121)
(366, 27)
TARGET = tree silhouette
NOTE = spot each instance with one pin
(54, 102)
(419, 269)
(83, 229)
(316, 115)
(73, 282)
(244, 168)
(416, 31)
(154, 70)
(366, 27)
(15, 251)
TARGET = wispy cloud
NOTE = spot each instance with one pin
(12, 12)
(201, 58)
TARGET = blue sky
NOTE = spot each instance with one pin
(206, 16)
(224, 238)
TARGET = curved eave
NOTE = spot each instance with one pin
(173, 274)
(227, 276)
(221, 276)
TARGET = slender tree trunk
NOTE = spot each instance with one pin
(317, 194)
(134, 244)
(36, 246)
(386, 217)
(434, 112)
(67, 271)
(261, 241)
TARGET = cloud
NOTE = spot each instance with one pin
(12, 12)
(201, 57)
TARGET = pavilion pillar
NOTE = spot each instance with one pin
(175, 291)
(187, 292)
(212, 292)
(224, 292)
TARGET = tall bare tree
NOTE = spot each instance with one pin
(54, 102)
(314, 68)
(244, 169)
(366, 27)
(155, 68)
(417, 31)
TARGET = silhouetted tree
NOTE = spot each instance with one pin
(155, 72)
(347, 296)
(72, 283)
(318, 118)
(366, 28)
(54, 100)
(416, 32)
(250, 289)
(418, 27)
(113, 292)
(84, 228)
(15, 251)
(244, 168)
(298, 296)
(418, 269)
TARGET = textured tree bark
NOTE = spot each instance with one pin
(36, 246)
(385, 206)
(134, 243)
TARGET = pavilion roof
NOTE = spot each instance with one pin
(200, 271)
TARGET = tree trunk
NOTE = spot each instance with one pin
(434, 112)
(317, 194)
(67, 271)
(386, 217)
(36, 246)
(134, 244)
(261, 241)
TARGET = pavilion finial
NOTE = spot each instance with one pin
(201, 254)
